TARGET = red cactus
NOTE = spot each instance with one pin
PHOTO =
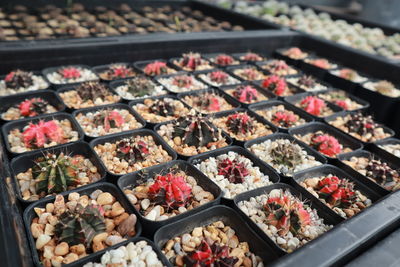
(321, 63)
(219, 77)
(313, 105)
(109, 119)
(170, 190)
(70, 73)
(132, 152)
(326, 144)
(9, 76)
(294, 52)
(156, 68)
(210, 102)
(191, 61)
(233, 170)
(32, 107)
(245, 93)
(278, 65)
(249, 73)
(183, 81)
(276, 84)
(347, 74)
(342, 104)
(336, 192)
(37, 135)
(252, 57)
(120, 71)
(240, 123)
(224, 60)
(284, 118)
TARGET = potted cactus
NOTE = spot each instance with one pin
(294, 53)
(349, 74)
(192, 62)
(306, 83)
(29, 107)
(278, 86)
(181, 83)
(114, 71)
(139, 86)
(69, 74)
(342, 99)
(278, 67)
(248, 73)
(218, 78)
(246, 93)
(383, 87)
(314, 105)
(222, 60)
(249, 57)
(19, 81)
(155, 68)
(322, 63)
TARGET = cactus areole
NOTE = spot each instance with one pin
(18, 79)
(41, 133)
(233, 170)
(170, 190)
(336, 192)
(246, 93)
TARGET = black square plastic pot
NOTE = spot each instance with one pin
(151, 125)
(269, 95)
(344, 113)
(232, 101)
(231, 70)
(279, 53)
(184, 157)
(230, 218)
(364, 104)
(329, 218)
(20, 124)
(344, 84)
(140, 177)
(30, 214)
(24, 162)
(37, 73)
(314, 127)
(311, 152)
(314, 70)
(388, 141)
(111, 106)
(325, 170)
(100, 69)
(294, 99)
(263, 106)
(9, 101)
(181, 73)
(96, 257)
(260, 65)
(253, 115)
(198, 73)
(47, 71)
(239, 55)
(140, 65)
(73, 87)
(211, 56)
(292, 88)
(367, 181)
(264, 168)
(176, 66)
(112, 177)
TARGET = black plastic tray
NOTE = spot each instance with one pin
(111, 106)
(329, 218)
(219, 213)
(253, 115)
(301, 113)
(330, 169)
(150, 227)
(112, 177)
(47, 71)
(314, 127)
(365, 105)
(264, 168)
(269, 95)
(101, 68)
(47, 95)
(30, 214)
(20, 124)
(24, 162)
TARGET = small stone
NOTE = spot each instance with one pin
(145, 203)
(73, 196)
(247, 262)
(95, 194)
(280, 240)
(42, 241)
(178, 248)
(132, 198)
(127, 227)
(151, 215)
(113, 239)
(61, 249)
(105, 199)
(71, 257)
(198, 231)
(151, 258)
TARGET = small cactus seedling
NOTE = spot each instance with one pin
(224, 60)
(162, 108)
(109, 119)
(252, 57)
(54, 174)
(295, 52)
(191, 61)
(326, 144)
(336, 192)
(32, 107)
(313, 105)
(360, 124)
(384, 87)
(278, 65)
(131, 151)
(348, 74)
(321, 63)
(307, 81)
(156, 68)
(219, 77)
(233, 170)
(240, 123)
(249, 73)
(342, 104)
(284, 119)
(276, 85)
(195, 130)
(170, 190)
(245, 93)
(183, 81)
(80, 226)
(287, 154)
(210, 255)
(382, 173)
(36, 135)
(119, 71)
(209, 102)
(286, 213)
(70, 73)
(140, 86)
(91, 91)
(18, 79)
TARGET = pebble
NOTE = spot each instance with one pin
(113, 239)
(42, 241)
(145, 203)
(151, 215)
(105, 199)
(280, 240)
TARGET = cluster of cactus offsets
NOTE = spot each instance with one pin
(313, 105)
(286, 214)
(383, 174)
(183, 81)
(195, 130)
(224, 60)
(131, 151)
(92, 91)
(326, 144)
(156, 68)
(336, 192)
(219, 77)
(360, 124)
(81, 225)
(276, 84)
(233, 170)
(162, 108)
(33, 107)
(70, 73)
(284, 118)
(170, 191)
(54, 174)
(109, 119)
(287, 154)
(210, 255)
(140, 86)
(41, 133)
(240, 123)
(245, 93)
(18, 79)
